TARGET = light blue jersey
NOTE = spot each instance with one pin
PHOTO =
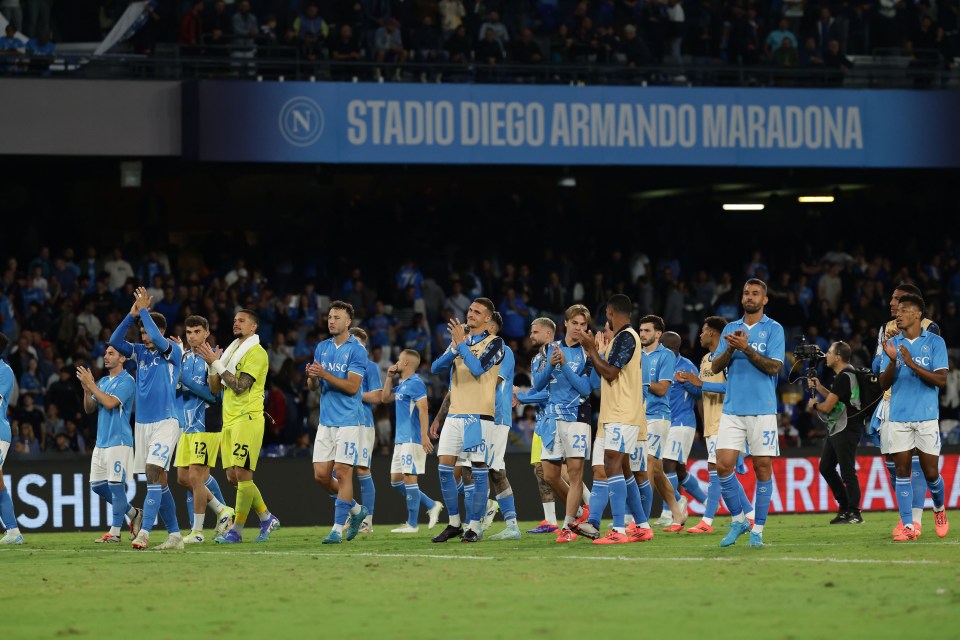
(912, 399)
(195, 394)
(504, 402)
(337, 409)
(371, 382)
(533, 397)
(407, 393)
(751, 392)
(113, 425)
(569, 386)
(682, 402)
(158, 370)
(6, 390)
(656, 366)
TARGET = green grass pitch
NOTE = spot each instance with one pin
(812, 580)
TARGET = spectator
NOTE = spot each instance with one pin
(499, 29)
(834, 59)
(675, 22)
(191, 29)
(452, 14)
(776, 37)
(810, 56)
(459, 46)
(118, 269)
(30, 414)
(635, 51)
(428, 44)
(12, 11)
(53, 423)
(417, 336)
(311, 22)
(489, 50)
(31, 383)
(515, 315)
(218, 19)
(9, 42)
(388, 45)
(526, 50)
(344, 47)
(245, 25)
(827, 29)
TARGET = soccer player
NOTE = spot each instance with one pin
(914, 367)
(157, 429)
(503, 420)
(241, 373)
(658, 367)
(621, 412)
(412, 443)
(371, 388)
(339, 364)
(542, 332)
(751, 349)
(198, 449)
(8, 518)
(475, 358)
(112, 398)
(683, 427)
(710, 387)
(888, 331)
(568, 377)
(839, 408)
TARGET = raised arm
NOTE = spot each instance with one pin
(444, 362)
(492, 355)
(119, 338)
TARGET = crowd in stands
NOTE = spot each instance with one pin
(60, 306)
(784, 33)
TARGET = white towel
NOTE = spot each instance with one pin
(235, 352)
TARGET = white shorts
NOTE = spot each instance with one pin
(757, 432)
(4, 448)
(155, 443)
(657, 432)
(111, 464)
(369, 442)
(711, 449)
(638, 459)
(343, 445)
(572, 441)
(906, 436)
(679, 443)
(620, 437)
(598, 449)
(409, 459)
(499, 440)
(451, 441)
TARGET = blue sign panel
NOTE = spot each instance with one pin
(548, 125)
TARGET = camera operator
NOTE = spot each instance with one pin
(845, 425)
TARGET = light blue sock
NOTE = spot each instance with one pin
(468, 502)
(892, 471)
(368, 492)
(905, 500)
(190, 506)
(426, 502)
(618, 500)
(599, 495)
(460, 487)
(764, 494)
(507, 506)
(7, 517)
(399, 487)
(341, 512)
(214, 488)
(745, 503)
(168, 511)
(713, 497)
(936, 492)
(919, 483)
(101, 489)
(692, 486)
(731, 491)
(448, 487)
(634, 501)
(412, 492)
(481, 485)
(151, 506)
(672, 478)
(118, 502)
(646, 499)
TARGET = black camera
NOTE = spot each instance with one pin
(808, 352)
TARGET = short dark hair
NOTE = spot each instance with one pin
(487, 304)
(620, 304)
(359, 333)
(343, 306)
(906, 287)
(758, 282)
(4, 342)
(253, 315)
(159, 320)
(716, 323)
(656, 321)
(197, 321)
(917, 301)
(497, 320)
(843, 350)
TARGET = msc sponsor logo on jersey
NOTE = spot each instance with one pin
(146, 364)
(301, 121)
(335, 366)
(759, 347)
(923, 361)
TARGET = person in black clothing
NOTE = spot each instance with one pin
(843, 414)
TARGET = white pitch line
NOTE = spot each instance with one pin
(730, 559)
